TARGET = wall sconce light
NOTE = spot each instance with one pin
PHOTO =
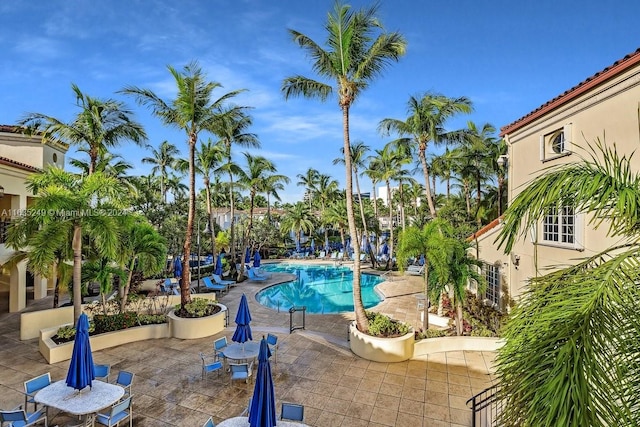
(1, 191)
(515, 259)
(503, 160)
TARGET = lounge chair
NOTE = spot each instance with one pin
(334, 256)
(322, 254)
(272, 342)
(214, 286)
(415, 270)
(253, 276)
(340, 256)
(220, 281)
(260, 273)
(170, 287)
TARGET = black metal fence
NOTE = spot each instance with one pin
(485, 407)
(4, 226)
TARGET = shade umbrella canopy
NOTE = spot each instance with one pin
(364, 244)
(326, 245)
(247, 256)
(313, 245)
(177, 267)
(385, 249)
(81, 372)
(298, 245)
(218, 269)
(242, 333)
(256, 259)
(262, 412)
(421, 260)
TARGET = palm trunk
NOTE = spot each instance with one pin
(232, 224)
(361, 317)
(500, 190)
(56, 284)
(427, 185)
(125, 292)
(425, 320)
(390, 225)
(77, 272)
(364, 220)
(459, 319)
(207, 190)
(185, 286)
(402, 219)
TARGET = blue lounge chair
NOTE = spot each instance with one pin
(20, 417)
(220, 281)
(241, 371)
(119, 412)
(253, 276)
(292, 411)
(170, 287)
(214, 286)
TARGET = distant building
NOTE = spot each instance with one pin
(21, 156)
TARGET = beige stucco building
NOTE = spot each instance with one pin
(20, 156)
(605, 106)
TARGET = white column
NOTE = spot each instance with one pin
(18, 287)
(39, 287)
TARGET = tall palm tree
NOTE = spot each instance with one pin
(425, 123)
(358, 52)
(69, 213)
(233, 130)
(359, 155)
(309, 180)
(336, 214)
(193, 110)
(163, 159)
(571, 344)
(270, 187)
(98, 126)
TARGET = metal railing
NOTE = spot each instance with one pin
(4, 226)
(485, 407)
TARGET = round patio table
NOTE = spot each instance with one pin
(246, 351)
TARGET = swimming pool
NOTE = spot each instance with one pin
(323, 289)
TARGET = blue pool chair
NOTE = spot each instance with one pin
(214, 286)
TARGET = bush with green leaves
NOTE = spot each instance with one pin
(198, 307)
(151, 319)
(115, 322)
(381, 325)
(431, 333)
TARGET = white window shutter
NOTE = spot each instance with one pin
(567, 137)
(541, 148)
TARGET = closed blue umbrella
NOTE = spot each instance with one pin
(81, 372)
(218, 269)
(243, 318)
(313, 245)
(256, 259)
(385, 249)
(262, 412)
(326, 245)
(298, 245)
(177, 267)
(247, 256)
(421, 260)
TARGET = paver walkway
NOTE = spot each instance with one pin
(315, 368)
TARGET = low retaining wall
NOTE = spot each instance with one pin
(438, 345)
(194, 328)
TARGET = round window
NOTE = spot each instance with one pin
(55, 157)
(557, 142)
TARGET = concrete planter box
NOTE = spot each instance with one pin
(55, 353)
(396, 349)
(437, 345)
(193, 328)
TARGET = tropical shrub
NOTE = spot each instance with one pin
(381, 325)
(198, 307)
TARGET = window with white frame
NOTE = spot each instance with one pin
(492, 276)
(559, 226)
(556, 143)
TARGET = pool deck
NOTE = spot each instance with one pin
(314, 367)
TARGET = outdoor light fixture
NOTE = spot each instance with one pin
(503, 160)
(1, 191)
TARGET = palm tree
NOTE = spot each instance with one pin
(336, 214)
(100, 125)
(232, 130)
(69, 213)
(358, 162)
(143, 249)
(427, 117)
(163, 159)
(194, 111)
(297, 219)
(358, 52)
(270, 187)
(309, 180)
(571, 345)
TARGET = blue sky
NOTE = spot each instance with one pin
(509, 57)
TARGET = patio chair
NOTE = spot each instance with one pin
(292, 411)
(102, 372)
(340, 256)
(170, 287)
(214, 286)
(125, 380)
(240, 371)
(258, 271)
(334, 256)
(208, 366)
(18, 417)
(32, 386)
(219, 345)
(220, 281)
(119, 412)
(272, 341)
(253, 276)
(209, 423)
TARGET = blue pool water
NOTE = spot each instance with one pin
(322, 289)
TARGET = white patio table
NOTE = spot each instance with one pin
(84, 403)
(246, 351)
(244, 422)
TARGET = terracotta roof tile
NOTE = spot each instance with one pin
(484, 230)
(19, 165)
(600, 77)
